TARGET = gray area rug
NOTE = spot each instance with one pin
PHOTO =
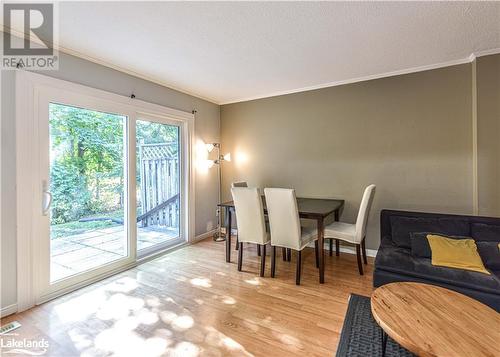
(361, 336)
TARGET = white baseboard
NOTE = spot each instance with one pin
(352, 250)
(204, 236)
(8, 310)
(348, 249)
(343, 249)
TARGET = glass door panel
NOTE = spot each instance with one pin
(158, 185)
(87, 185)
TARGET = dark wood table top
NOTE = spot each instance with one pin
(308, 207)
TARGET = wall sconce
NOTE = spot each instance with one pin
(210, 147)
(218, 236)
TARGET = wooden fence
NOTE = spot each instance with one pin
(159, 182)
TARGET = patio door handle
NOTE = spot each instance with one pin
(46, 199)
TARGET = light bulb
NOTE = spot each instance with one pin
(227, 157)
(209, 147)
(210, 163)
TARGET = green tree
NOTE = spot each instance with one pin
(87, 159)
(87, 152)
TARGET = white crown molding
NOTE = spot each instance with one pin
(493, 51)
(95, 59)
(101, 62)
(467, 59)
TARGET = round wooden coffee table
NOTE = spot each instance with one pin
(432, 321)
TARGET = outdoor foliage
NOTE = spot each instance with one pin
(87, 161)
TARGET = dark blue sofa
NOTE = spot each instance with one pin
(395, 262)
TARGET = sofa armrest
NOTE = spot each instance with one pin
(385, 226)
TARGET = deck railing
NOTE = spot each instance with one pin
(159, 182)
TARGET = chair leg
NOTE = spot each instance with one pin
(263, 260)
(273, 261)
(337, 247)
(258, 250)
(240, 256)
(237, 242)
(363, 248)
(331, 246)
(283, 252)
(299, 266)
(358, 254)
(316, 253)
(289, 254)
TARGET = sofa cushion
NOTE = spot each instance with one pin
(485, 232)
(399, 260)
(459, 277)
(456, 253)
(490, 254)
(394, 258)
(402, 227)
(420, 247)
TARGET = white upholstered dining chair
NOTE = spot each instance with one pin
(353, 233)
(286, 231)
(251, 222)
(241, 184)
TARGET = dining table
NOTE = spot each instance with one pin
(316, 209)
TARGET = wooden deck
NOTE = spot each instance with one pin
(192, 303)
(78, 253)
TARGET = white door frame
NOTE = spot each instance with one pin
(155, 250)
(29, 88)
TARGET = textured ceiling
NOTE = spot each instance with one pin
(234, 51)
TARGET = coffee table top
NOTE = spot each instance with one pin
(432, 321)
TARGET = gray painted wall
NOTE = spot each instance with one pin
(488, 132)
(411, 135)
(90, 74)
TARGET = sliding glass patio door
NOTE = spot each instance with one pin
(87, 187)
(158, 184)
(111, 189)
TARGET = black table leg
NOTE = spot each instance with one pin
(321, 252)
(384, 342)
(228, 234)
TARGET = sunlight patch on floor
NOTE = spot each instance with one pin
(253, 281)
(118, 306)
(81, 307)
(203, 282)
(228, 300)
(182, 323)
(128, 343)
(289, 340)
(124, 285)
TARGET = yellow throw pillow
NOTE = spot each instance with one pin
(456, 253)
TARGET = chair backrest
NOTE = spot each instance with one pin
(239, 184)
(364, 211)
(250, 215)
(283, 217)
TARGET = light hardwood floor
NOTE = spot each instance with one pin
(192, 303)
